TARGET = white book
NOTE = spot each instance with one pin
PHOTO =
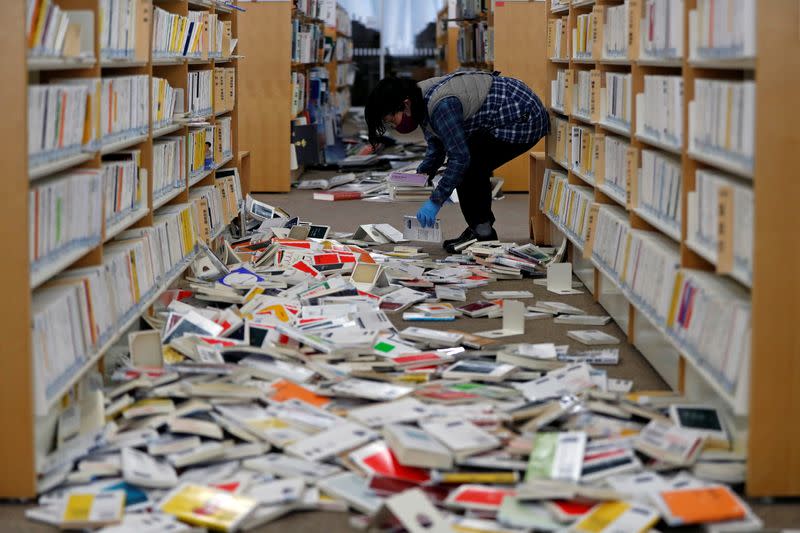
(462, 437)
(286, 466)
(172, 444)
(371, 390)
(585, 320)
(432, 336)
(140, 469)
(478, 370)
(382, 414)
(277, 492)
(205, 452)
(568, 380)
(331, 442)
(414, 447)
(592, 337)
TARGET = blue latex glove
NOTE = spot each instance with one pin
(427, 214)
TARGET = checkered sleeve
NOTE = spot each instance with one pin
(448, 123)
(434, 155)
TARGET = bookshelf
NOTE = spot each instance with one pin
(520, 26)
(18, 407)
(759, 400)
(265, 93)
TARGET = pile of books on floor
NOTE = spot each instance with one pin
(273, 381)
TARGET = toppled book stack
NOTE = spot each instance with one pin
(273, 381)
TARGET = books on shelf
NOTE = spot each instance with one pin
(210, 209)
(582, 36)
(612, 166)
(123, 29)
(651, 264)
(343, 23)
(559, 140)
(345, 75)
(583, 94)
(659, 114)
(307, 42)
(615, 31)
(344, 49)
(617, 102)
(55, 32)
(299, 92)
(475, 43)
(169, 166)
(199, 93)
(582, 160)
(722, 29)
(224, 89)
(720, 222)
(558, 90)
(659, 187)
(608, 238)
(164, 99)
(198, 35)
(66, 214)
(710, 318)
(661, 30)
(58, 125)
(722, 121)
(123, 107)
(568, 205)
(559, 4)
(124, 185)
(223, 147)
(467, 9)
(308, 8)
(557, 44)
(200, 150)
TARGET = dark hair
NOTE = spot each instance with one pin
(387, 98)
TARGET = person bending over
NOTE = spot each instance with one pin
(479, 120)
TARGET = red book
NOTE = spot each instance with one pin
(336, 196)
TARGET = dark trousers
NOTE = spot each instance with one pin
(475, 192)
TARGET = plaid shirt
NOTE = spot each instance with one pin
(511, 113)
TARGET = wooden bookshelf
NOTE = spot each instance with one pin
(764, 400)
(521, 26)
(265, 37)
(17, 411)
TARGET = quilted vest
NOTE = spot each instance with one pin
(471, 89)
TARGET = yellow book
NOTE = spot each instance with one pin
(186, 230)
(42, 16)
(623, 275)
(618, 516)
(676, 295)
(90, 510)
(134, 277)
(215, 509)
(173, 33)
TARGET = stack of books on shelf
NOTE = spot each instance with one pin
(583, 152)
(615, 31)
(583, 98)
(124, 186)
(617, 104)
(58, 125)
(558, 90)
(169, 166)
(200, 152)
(308, 8)
(299, 93)
(66, 218)
(475, 43)
(662, 30)
(567, 205)
(559, 141)
(722, 123)
(199, 93)
(222, 142)
(660, 111)
(720, 29)
(307, 42)
(612, 170)
(53, 32)
(557, 44)
(470, 9)
(720, 223)
(344, 49)
(658, 193)
(124, 26)
(124, 109)
(582, 37)
(164, 99)
(343, 24)
(224, 89)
